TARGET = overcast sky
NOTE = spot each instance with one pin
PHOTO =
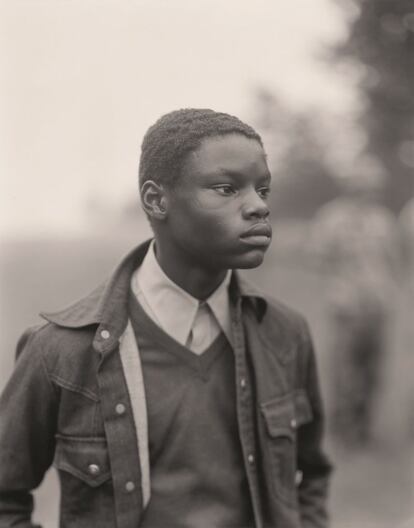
(81, 81)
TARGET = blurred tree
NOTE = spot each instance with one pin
(295, 143)
(304, 180)
(381, 43)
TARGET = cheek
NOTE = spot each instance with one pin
(205, 211)
(214, 222)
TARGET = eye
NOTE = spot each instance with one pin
(225, 189)
(263, 192)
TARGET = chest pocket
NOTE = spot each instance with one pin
(282, 417)
(85, 476)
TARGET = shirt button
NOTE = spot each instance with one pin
(120, 408)
(105, 334)
(243, 383)
(250, 459)
(94, 469)
(293, 423)
(129, 486)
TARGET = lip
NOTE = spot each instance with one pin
(257, 235)
(258, 230)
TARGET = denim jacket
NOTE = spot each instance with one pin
(76, 400)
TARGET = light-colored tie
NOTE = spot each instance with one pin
(202, 332)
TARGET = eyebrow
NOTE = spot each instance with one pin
(236, 174)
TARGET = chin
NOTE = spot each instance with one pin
(251, 260)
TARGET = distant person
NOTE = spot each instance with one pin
(356, 245)
(175, 394)
(406, 328)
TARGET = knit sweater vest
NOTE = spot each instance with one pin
(198, 478)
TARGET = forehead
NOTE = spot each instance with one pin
(233, 153)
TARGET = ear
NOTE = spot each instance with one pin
(154, 200)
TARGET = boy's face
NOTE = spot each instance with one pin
(217, 211)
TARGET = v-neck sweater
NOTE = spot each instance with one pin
(197, 471)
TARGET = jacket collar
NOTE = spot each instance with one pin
(107, 305)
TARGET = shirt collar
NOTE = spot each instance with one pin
(107, 305)
(161, 293)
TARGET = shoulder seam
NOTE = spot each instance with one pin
(73, 387)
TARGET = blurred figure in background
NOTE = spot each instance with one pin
(406, 230)
(354, 241)
(406, 225)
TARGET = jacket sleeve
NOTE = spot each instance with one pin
(312, 461)
(28, 411)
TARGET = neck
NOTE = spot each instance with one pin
(191, 277)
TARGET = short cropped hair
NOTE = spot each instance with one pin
(167, 143)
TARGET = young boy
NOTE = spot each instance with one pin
(175, 395)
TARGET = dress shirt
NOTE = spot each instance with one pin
(191, 322)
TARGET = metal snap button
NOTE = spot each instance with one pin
(129, 486)
(298, 477)
(120, 408)
(105, 334)
(250, 459)
(293, 423)
(243, 383)
(94, 469)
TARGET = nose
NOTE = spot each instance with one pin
(255, 206)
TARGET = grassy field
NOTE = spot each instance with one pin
(372, 488)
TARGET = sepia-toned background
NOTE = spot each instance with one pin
(328, 83)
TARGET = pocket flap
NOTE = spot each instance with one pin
(279, 415)
(284, 414)
(84, 458)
